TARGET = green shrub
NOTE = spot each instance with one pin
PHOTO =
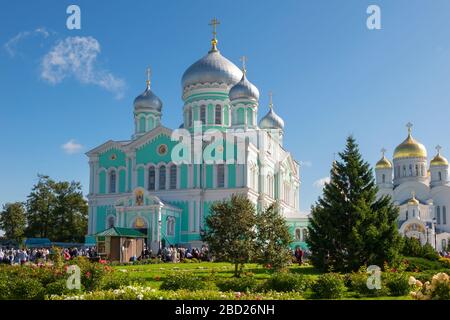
(185, 280)
(413, 248)
(115, 280)
(329, 286)
(357, 282)
(27, 289)
(287, 282)
(417, 264)
(59, 288)
(244, 284)
(397, 283)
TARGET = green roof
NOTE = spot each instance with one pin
(121, 232)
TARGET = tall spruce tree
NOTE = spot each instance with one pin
(349, 227)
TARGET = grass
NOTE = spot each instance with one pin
(152, 275)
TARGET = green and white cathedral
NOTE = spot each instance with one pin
(137, 184)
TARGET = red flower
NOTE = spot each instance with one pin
(102, 261)
(88, 274)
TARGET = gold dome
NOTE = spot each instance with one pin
(439, 160)
(410, 148)
(413, 201)
(383, 163)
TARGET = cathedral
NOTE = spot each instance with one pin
(141, 184)
(420, 190)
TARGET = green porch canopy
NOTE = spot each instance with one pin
(121, 232)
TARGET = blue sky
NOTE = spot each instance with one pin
(330, 75)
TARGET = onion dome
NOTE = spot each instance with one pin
(212, 68)
(410, 148)
(244, 89)
(384, 162)
(271, 120)
(413, 201)
(147, 100)
(439, 160)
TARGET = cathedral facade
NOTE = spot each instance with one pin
(163, 181)
(421, 191)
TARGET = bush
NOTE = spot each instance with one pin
(397, 283)
(58, 287)
(438, 289)
(27, 289)
(329, 286)
(115, 280)
(413, 248)
(416, 264)
(357, 282)
(244, 284)
(286, 282)
(92, 273)
(184, 280)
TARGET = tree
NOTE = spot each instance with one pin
(56, 210)
(349, 227)
(13, 221)
(273, 238)
(230, 231)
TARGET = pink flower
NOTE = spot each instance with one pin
(88, 274)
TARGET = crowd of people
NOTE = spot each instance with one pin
(36, 255)
(177, 254)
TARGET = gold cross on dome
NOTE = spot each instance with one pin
(149, 74)
(214, 22)
(409, 125)
(438, 148)
(383, 151)
(244, 61)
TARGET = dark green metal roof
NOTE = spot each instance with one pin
(121, 232)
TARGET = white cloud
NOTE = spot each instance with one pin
(320, 183)
(11, 45)
(305, 164)
(72, 147)
(77, 57)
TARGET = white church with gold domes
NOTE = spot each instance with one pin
(421, 191)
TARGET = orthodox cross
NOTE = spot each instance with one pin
(214, 22)
(383, 151)
(409, 125)
(149, 74)
(438, 149)
(244, 60)
(270, 100)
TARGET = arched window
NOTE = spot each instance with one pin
(417, 170)
(112, 182)
(304, 234)
(438, 215)
(404, 170)
(203, 114)
(190, 111)
(173, 177)
(440, 176)
(220, 175)
(111, 222)
(162, 177)
(298, 235)
(407, 214)
(151, 178)
(218, 116)
(383, 178)
(444, 215)
(422, 170)
(410, 170)
(170, 227)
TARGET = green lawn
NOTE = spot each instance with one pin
(153, 274)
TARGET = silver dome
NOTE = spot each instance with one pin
(148, 100)
(271, 121)
(244, 89)
(212, 68)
